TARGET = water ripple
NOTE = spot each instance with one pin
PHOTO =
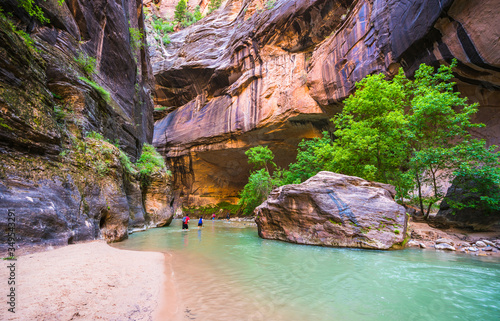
(227, 272)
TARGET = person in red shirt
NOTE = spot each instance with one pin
(185, 221)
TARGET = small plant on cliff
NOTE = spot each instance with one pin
(86, 63)
(95, 152)
(35, 11)
(127, 165)
(166, 40)
(270, 4)
(30, 43)
(103, 92)
(95, 135)
(197, 15)
(150, 162)
(59, 114)
(136, 38)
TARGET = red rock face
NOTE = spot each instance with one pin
(336, 210)
(245, 76)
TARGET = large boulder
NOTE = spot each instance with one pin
(332, 209)
(477, 218)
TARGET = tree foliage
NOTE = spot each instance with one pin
(34, 10)
(180, 11)
(184, 17)
(136, 38)
(261, 182)
(409, 133)
(255, 191)
(214, 5)
(260, 156)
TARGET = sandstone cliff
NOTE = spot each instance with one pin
(83, 72)
(251, 74)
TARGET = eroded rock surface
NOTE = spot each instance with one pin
(159, 200)
(61, 192)
(248, 75)
(334, 210)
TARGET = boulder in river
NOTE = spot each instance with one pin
(487, 242)
(336, 210)
(480, 244)
(445, 246)
(442, 240)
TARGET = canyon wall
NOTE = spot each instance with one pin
(75, 102)
(256, 74)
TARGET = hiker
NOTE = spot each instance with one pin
(213, 216)
(228, 217)
(185, 221)
(200, 222)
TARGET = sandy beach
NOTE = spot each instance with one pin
(88, 281)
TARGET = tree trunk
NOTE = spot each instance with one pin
(420, 195)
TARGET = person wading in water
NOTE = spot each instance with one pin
(185, 221)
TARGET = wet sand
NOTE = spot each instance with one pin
(193, 290)
(89, 281)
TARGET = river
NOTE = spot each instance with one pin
(226, 272)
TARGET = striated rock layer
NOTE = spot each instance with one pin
(159, 200)
(334, 210)
(249, 74)
(63, 186)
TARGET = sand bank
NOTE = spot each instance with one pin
(89, 281)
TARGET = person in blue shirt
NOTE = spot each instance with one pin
(200, 222)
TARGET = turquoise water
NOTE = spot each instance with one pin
(226, 272)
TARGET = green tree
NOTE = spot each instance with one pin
(313, 156)
(371, 130)
(214, 5)
(255, 191)
(439, 123)
(412, 134)
(477, 176)
(261, 182)
(180, 11)
(197, 13)
(260, 156)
